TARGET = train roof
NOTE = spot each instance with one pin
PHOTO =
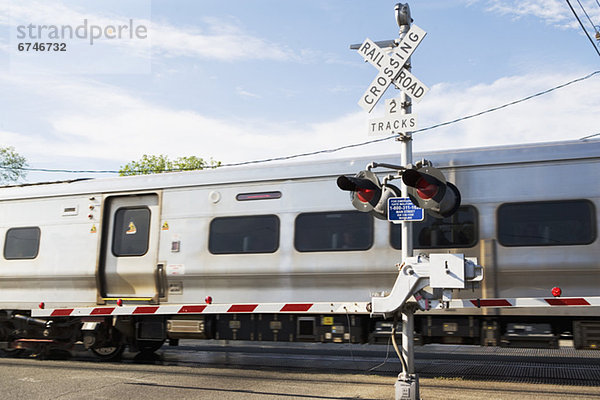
(456, 158)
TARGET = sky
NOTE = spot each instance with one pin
(244, 80)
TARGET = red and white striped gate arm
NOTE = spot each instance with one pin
(300, 308)
(255, 308)
(524, 302)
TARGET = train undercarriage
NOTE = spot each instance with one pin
(108, 336)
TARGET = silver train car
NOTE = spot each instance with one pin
(273, 233)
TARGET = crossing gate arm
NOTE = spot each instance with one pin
(355, 308)
(189, 309)
(519, 302)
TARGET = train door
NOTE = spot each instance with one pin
(130, 248)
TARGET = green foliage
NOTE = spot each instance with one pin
(158, 164)
(12, 165)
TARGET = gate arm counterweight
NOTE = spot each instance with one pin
(439, 271)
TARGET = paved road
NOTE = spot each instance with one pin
(563, 366)
(43, 379)
(24, 378)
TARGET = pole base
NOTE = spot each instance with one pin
(407, 387)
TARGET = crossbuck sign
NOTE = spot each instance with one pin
(392, 70)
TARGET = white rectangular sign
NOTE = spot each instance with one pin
(175, 269)
(395, 123)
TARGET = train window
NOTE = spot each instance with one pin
(457, 231)
(333, 231)
(547, 223)
(131, 232)
(22, 243)
(240, 235)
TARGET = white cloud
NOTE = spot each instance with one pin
(222, 41)
(114, 125)
(552, 12)
(568, 113)
(242, 92)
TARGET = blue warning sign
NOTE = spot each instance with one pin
(402, 209)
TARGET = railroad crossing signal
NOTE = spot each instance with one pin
(428, 189)
(367, 193)
(391, 68)
(436, 196)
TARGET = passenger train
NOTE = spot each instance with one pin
(285, 233)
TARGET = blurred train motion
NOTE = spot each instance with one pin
(273, 233)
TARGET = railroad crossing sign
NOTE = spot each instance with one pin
(394, 121)
(391, 68)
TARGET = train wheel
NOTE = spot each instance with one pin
(11, 353)
(109, 353)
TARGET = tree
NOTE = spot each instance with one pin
(158, 164)
(12, 165)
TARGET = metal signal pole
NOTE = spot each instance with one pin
(404, 20)
(407, 386)
(392, 60)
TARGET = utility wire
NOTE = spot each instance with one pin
(349, 146)
(583, 27)
(587, 15)
(422, 129)
(508, 104)
(589, 136)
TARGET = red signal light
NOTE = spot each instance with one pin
(365, 195)
(556, 291)
(426, 190)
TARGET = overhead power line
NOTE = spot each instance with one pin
(583, 27)
(349, 146)
(589, 136)
(509, 104)
(586, 14)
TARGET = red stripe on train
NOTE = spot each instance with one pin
(567, 302)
